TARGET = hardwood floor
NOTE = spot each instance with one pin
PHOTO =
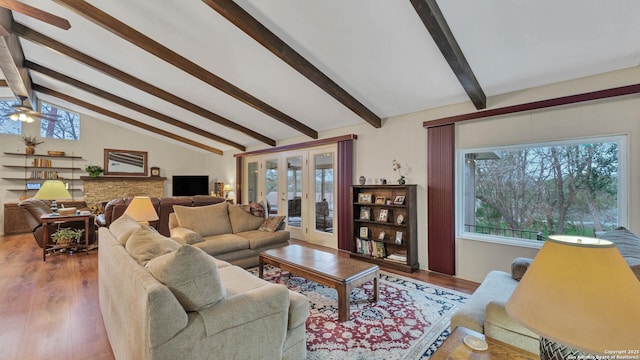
(49, 310)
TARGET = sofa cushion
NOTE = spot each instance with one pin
(259, 239)
(222, 244)
(191, 275)
(147, 243)
(205, 220)
(123, 227)
(242, 220)
(628, 244)
(272, 224)
(519, 266)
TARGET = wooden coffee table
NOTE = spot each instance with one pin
(340, 273)
(454, 348)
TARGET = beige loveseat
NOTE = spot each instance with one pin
(164, 300)
(228, 232)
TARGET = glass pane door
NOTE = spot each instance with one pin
(271, 186)
(294, 191)
(324, 196)
(252, 182)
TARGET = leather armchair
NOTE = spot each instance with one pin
(33, 209)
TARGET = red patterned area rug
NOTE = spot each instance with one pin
(409, 321)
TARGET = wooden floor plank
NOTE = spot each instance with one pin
(50, 310)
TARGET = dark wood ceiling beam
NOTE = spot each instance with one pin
(124, 119)
(128, 104)
(139, 84)
(11, 58)
(434, 21)
(252, 27)
(144, 42)
(36, 13)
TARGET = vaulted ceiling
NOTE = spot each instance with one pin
(221, 74)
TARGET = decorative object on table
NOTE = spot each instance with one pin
(383, 215)
(364, 198)
(380, 199)
(365, 213)
(55, 153)
(155, 171)
(63, 211)
(218, 189)
(53, 190)
(94, 170)
(581, 296)
(399, 200)
(362, 180)
(30, 143)
(383, 181)
(66, 236)
(475, 343)
(397, 167)
(141, 210)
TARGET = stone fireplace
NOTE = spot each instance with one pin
(104, 188)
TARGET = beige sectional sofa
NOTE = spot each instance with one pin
(164, 300)
(227, 232)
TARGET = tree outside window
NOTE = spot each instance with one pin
(534, 191)
(8, 126)
(59, 124)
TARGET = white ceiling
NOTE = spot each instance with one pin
(377, 50)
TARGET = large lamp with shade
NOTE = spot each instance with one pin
(581, 297)
(53, 190)
(141, 210)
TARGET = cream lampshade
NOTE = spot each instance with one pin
(579, 292)
(141, 210)
(226, 190)
(53, 190)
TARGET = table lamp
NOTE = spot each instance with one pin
(226, 190)
(141, 210)
(53, 190)
(581, 297)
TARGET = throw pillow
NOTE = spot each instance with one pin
(628, 244)
(147, 243)
(205, 220)
(519, 266)
(243, 221)
(123, 227)
(272, 224)
(191, 275)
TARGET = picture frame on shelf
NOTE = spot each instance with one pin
(365, 213)
(364, 198)
(364, 232)
(383, 216)
(381, 236)
(399, 200)
(400, 219)
(399, 237)
(380, 199)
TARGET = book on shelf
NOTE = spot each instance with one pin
(370, 247)
(397, 257)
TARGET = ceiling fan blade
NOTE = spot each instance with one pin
(36, 13)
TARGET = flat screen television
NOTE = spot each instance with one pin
(189, 185)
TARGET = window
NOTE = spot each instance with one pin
(58, 123)
(8, 126)
(528, 192)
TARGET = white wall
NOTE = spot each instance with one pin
(403, 138)
(95, 136)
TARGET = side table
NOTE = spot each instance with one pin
(454, 348)
(59, 219)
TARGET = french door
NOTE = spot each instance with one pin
(300, 186)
